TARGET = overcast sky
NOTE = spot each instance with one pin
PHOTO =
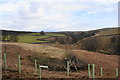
(58, 15)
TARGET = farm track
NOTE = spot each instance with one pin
(108, 62)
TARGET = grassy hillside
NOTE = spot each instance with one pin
(105, 41)
(107, 32)
(101, 40)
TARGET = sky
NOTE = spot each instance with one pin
(58, 15)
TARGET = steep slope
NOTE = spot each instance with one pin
(105, 41)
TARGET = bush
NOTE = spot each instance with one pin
(6, 38)
(53, 63)
(13, 38)
(75, 62)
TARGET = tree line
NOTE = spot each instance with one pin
(13, 38)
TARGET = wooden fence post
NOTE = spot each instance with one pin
(89, 73)
(101, 72)
(5, 61)
(116, 72)
(68, 68)
(19, 64)
(35, 66)
(40, 71)
(93, 71)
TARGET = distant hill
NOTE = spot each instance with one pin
(79, 35)
(10, 32)
(104, 41)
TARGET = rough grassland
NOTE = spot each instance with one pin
(108, 62)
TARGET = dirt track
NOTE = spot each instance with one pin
(108, 62)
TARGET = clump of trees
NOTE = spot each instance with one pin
(90, 44)
(13, 38)
(42, 33)
(106, 45)
(64, 40)
(76, 36)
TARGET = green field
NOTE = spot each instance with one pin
(32, 37)
(53, 34)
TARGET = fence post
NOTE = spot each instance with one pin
(68, 68)
(35, 66)
(89, 75)
(101, 72)
(5, 61)
(39, 73)
(116, 72)
(19, 64)
(93, 71)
